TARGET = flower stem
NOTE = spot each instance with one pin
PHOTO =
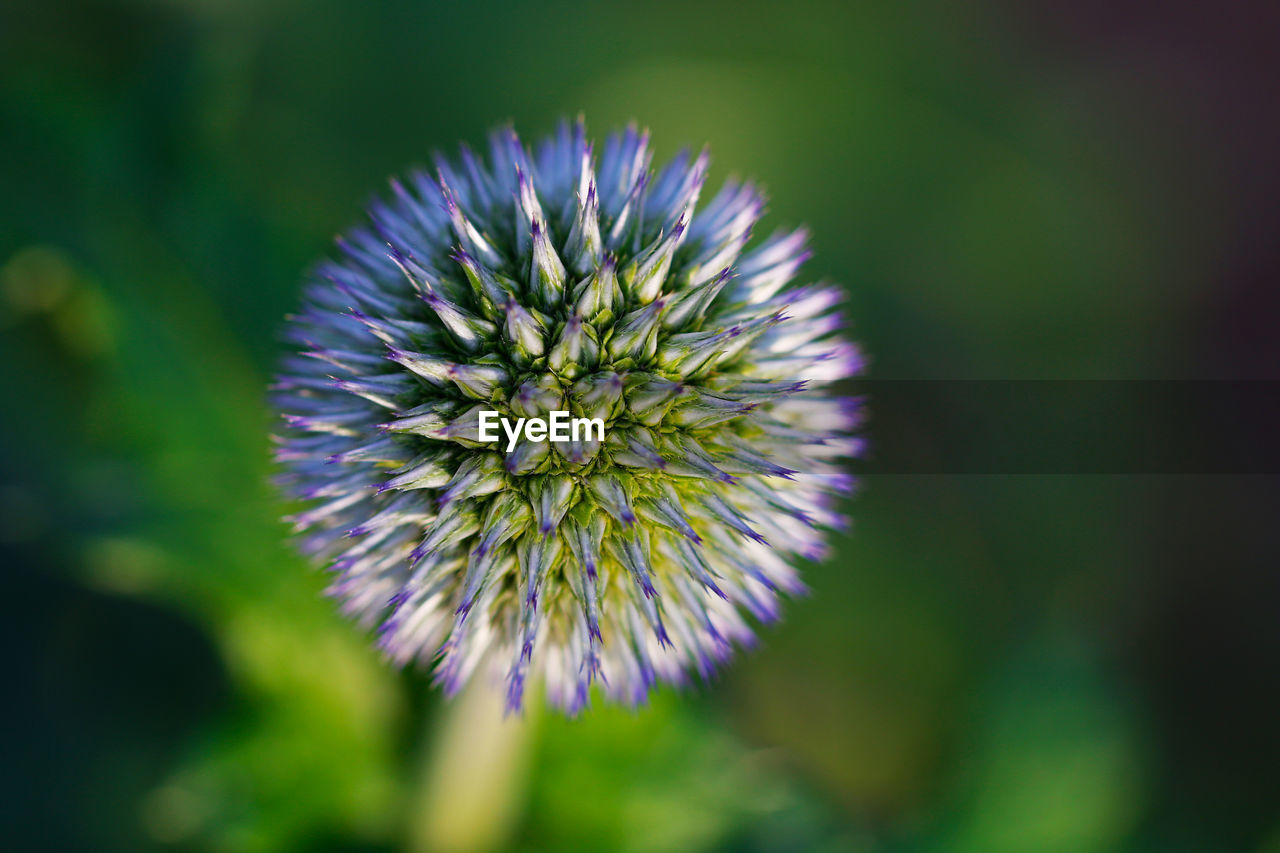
(473, 780)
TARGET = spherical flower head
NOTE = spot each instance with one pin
(483, 300)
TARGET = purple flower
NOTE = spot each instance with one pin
(544, 290)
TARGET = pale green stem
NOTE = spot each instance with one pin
(474, 778)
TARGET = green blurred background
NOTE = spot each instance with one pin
(1012, 660)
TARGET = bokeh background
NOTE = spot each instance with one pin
(1048, 652)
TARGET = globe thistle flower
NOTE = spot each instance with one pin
(559, 280)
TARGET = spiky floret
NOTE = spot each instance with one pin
(548, 281)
